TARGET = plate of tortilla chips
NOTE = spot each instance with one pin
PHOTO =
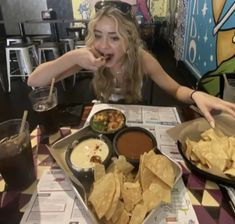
(212, 156)
(121, 196)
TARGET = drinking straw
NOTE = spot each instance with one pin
(51, 89)
(22, 125)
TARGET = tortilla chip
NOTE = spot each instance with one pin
(219, 148)
(231, 148)
(115, 200)
(122, 165)
(161, 166)
(147, 177)
(155, 194)
(130, 177)
(102, 194)
(211, 134)
(189, 150)
(124, 219)
(201, 149)
(230, 172)
(118, 212)
(138, 214)
(131, 194)
(99, 171)
(215, 161)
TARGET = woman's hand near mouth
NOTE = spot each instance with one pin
(88, 58)
(98, 54)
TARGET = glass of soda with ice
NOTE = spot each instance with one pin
(16, 157)
(46, 109)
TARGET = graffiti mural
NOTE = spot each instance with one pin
(84, 9)
(210, 35)
(147, 9)
(224, 29)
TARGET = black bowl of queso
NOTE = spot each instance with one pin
(84, 153)
(133, 142)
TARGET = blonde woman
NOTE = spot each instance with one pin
(115, 53)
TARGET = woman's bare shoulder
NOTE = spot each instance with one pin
(146, 55)
(147, 60)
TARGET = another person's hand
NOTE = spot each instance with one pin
(207, 104)
(88, 58)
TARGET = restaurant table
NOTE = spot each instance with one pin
(211, 205)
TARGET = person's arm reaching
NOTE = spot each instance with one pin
(64, 66)
(205, 102)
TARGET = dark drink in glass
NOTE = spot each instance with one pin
(16, 157)
(46, 109)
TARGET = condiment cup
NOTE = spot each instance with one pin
(132, 142)
(107, 121)
(82, 155)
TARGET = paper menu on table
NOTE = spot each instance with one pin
(160, 115)
(155, 119)
(54, 201)
(142, 114)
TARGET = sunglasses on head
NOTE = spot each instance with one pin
(121, 6)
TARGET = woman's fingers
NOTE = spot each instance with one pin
(231, 107)
(89, 58)
(209, 118)
(208, 103)
(95, 52)
(229, 110)
(98, 62)
(222, 106)
(98, 59)
(225, 106)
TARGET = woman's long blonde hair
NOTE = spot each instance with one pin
(103, 82)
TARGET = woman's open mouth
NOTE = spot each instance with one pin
(107, 57)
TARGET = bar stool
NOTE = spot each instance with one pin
(69, 43)
(13, 40)
(79, 44)
(78, 32)
(84, 72)
(24, 60)
(40, 39)
(48, 47)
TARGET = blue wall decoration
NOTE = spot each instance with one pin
(202, 47)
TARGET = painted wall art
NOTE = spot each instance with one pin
(210, 36)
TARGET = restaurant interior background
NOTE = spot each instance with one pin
(189, 38)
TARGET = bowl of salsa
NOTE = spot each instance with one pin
(107, 121)
(132, 142)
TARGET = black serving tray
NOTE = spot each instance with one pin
(83, 188)
(217, 179)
